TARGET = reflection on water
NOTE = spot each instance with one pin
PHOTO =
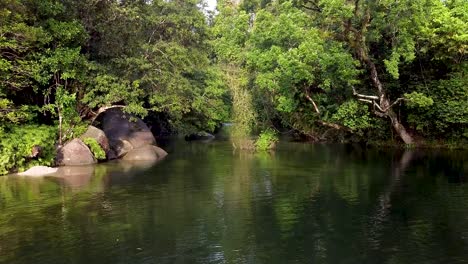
(207, 204)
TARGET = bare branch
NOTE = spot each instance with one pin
(307, 95)
(313, 103)
(378, 107)
(373, 97)
(371, 100)
(366, 100)
(394, 103)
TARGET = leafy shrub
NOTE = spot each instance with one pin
(17, 142)
(12, 114)
(266, 140)
(443, 112)
(416, 99)
(95, 148)
(353, 115)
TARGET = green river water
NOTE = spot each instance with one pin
(205, 203)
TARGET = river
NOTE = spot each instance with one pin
(205, 203)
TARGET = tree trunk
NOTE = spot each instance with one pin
(384, 102)
(399, 128)
(60, 127)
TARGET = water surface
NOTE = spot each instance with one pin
(207, 204)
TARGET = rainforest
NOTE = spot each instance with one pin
(236, 131)
(388, 73)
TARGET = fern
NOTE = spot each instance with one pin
(95, 148)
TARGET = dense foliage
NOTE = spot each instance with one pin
(352, 70)
(17, 144)
(63, 62)
(150, 56)
(266, 140)
(365, 70)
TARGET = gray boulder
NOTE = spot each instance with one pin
(141, 138)
(38, 171)
(124, 131)
(120, 147)
(74, 153)
(202, 136)
(99, 136)
(145, 153)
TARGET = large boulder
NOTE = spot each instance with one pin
(74, 153)
(99, 136)
(145, 153)
(124, 131)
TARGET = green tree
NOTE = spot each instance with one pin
(387, 35)
(310, 59)
(71, 60)
(230, 34)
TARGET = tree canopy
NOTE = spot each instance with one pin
(337, 70)
(150, 56)
(360, 68)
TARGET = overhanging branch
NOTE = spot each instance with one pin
(372, 99)
(102, 109)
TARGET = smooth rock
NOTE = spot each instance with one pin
(99, 136)
(120, 147)
(141, 138)
(160, 152)
(75, 153)
(38, 171)
(120, 127)
(145, 153)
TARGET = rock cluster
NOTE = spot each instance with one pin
(120, 135)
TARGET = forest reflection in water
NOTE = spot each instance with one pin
(207, 204)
